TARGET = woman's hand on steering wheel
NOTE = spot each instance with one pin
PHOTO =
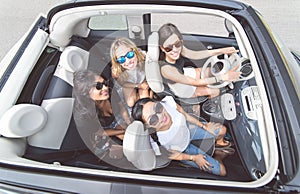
(228, 50)
(232, 75)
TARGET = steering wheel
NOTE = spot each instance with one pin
(220, 67)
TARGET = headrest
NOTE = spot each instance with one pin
(152, 67)
(74, 58)
(22, 120)
(137, 147)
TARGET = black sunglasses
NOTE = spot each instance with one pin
(177, 44)
(99, 85)
(154, 118)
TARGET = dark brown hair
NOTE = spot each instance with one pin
(166, 30)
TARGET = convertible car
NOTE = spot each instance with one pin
(44, 147)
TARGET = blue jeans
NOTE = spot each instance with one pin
(197, 132)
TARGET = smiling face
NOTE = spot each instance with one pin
(151, 110)
(130, 63)
(172, 48)
(99, 93)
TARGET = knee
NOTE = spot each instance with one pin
(130, 102)
(223, 130)
(222, 170)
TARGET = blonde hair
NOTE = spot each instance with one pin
(117, 70)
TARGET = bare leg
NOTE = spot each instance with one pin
(220, 139)
(219, 156)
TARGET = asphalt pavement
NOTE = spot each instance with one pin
(16, 16)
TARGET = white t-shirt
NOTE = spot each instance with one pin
(177, 137)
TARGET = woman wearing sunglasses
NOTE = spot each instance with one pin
(174, 129)
(185, 81)
(128, 64)
(93, 97)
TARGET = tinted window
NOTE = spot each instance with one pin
(108, 22)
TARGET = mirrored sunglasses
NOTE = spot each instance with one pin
(177, 44)
(154, 118)
(99, 85)
(128, 55)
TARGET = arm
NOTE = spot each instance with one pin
(191, 54)
(210, 126)
(124, 113)
(199, 159)
(171, 73)
(190, 118)
(114, 132)
(129, 85)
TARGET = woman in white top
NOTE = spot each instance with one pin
(174, 129)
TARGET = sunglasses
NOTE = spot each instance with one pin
(99, 85)
(128, 55)
(177, 44)
(154, 118)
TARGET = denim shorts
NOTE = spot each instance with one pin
(200, 133)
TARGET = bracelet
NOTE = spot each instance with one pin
(191, 157)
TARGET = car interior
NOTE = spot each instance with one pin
(56, 137)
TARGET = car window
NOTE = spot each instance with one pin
(198, 24)
(108, 22)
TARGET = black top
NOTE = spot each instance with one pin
(106, 121)
(179, 65)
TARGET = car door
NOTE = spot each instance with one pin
(18, 64)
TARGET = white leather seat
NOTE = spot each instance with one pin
(51, 136)
(72, 59)
(152, 67)
(44, 126)
(138, 150)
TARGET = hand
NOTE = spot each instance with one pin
(232, 75)
(228, 50)
(211, 127)
(201, 161)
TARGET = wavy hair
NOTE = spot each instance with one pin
(117, 70)
(137, 114)
(83, 81)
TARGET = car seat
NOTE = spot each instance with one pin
(138, 150)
